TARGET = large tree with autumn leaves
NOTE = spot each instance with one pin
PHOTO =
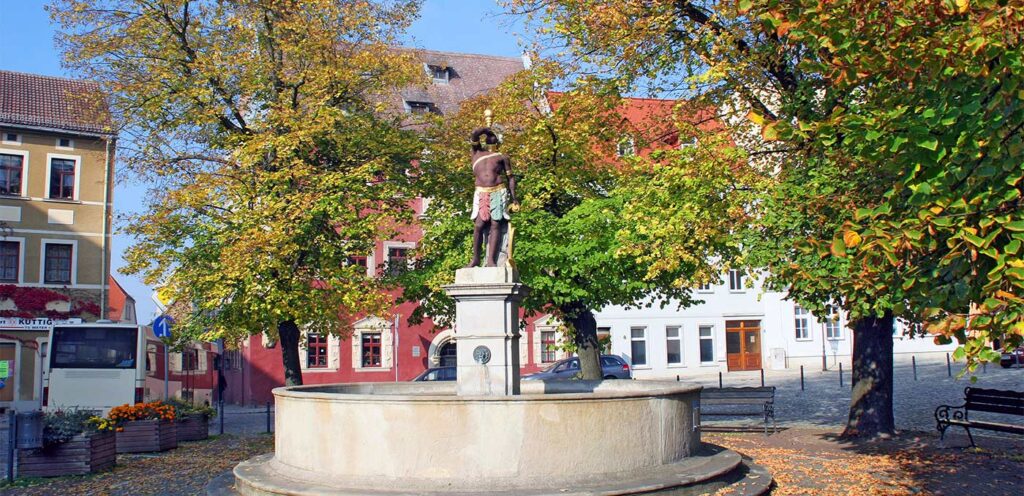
(260, 123)
(893, 132)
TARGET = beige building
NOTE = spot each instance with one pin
(56, 185)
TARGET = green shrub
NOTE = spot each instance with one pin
(184, 408)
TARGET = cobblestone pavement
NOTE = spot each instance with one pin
(823, 402)
(243, 420)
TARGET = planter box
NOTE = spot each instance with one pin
(141, 436)
(193, 428)
(83, 454)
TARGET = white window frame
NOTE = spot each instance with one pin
(388, 245)
(372, 325)
(333, 352)
(626, 152)
(78, 176)
(18, 138)
(692, 143)
(801, 314)
(24, 168)
(829, 322)
(714, 348)
(21, 257)
(737, 275)
(447, 73)
(42, 261)
(706, 288)
(71, 144)
(678, 339)
(642, 339)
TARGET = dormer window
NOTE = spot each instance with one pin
(627, 147)
(419, 107)
(439, 74)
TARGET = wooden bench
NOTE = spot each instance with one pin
(740, 402)
(981, 400)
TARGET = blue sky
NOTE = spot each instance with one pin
(26, 45)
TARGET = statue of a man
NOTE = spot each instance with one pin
(495, 194)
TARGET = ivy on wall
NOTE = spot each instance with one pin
(33, 302)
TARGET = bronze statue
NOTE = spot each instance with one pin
(495, 196)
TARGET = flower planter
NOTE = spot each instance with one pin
(83, 454)
(193, 428)
(141, 436)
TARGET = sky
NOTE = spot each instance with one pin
(27, 45)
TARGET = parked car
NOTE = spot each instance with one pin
(1013, 358)
(437, 374)
(612, 367)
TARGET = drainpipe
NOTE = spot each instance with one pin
(107, 184)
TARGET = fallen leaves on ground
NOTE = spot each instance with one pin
(818, 465)
(182, 471)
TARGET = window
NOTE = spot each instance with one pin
(627, 147)
(604, 339)
(704, 288)
(57, 263)
(12, 138)
(548, 348)
(832, 328)
(638, 345)
(10, 260)
(189, 360)
(93, 348)
(419, 107)
(233, 360)
(439, 74)
(673, 345)
(398, 260)
(360, 262)
(800, 323)
(690, 142)
(735, 280)
(371, 349)
(316, 351)
(707, 344)
(66, 143)
(62, 178)
(12, 168)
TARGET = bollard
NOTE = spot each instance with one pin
(801, 377)
(913, 365)
(719, 379)
(221, 407)
(677, 378)
(840, 374)
(762, 377)
(949, 368)
(12, 454)
(984, 367)
(268, 417)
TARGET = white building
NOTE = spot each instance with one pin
(736, 328)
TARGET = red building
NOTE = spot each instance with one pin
(388, 349)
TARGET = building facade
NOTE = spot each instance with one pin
(56, 188)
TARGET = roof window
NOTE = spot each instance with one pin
(440, 74)
(420, 107)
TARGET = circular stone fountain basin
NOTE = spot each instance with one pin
(421, 438)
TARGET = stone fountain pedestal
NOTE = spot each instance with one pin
(487, 330)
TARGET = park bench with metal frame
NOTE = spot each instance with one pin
(981, 400)
(740, 402)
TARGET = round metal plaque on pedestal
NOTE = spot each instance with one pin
(482, 354)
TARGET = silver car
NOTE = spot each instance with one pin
(612, 367)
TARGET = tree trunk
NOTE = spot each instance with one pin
(871, 412)
(288, 332)
(585, 338)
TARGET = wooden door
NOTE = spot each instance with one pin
(7, 353)
(743, 344)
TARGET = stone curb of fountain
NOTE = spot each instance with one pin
(725, 471)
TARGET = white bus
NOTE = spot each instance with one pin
(95, 366)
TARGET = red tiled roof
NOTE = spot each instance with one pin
(117, 299)
(52, 102)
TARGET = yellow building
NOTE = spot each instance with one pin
(56, 186)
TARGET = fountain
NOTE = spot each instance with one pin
(488, 433)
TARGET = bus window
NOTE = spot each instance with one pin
(93, 348)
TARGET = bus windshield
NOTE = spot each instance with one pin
(93, 347)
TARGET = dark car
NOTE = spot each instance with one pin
(437, 374)
(1013, 358)
(612, 367)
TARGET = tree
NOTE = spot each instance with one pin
(577, 202)
(895, 190)
(260, 123)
